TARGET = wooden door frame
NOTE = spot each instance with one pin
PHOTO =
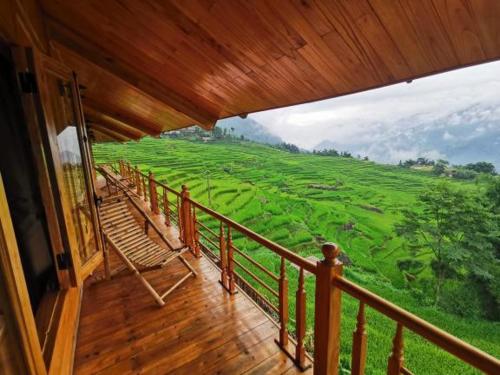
(43, 137)
(20, 317)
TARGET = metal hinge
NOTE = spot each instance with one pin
(97, 200)
(27, 80)
(63, 261)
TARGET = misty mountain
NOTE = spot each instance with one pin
(250, 129)
(467, 136)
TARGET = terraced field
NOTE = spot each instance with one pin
(301, 201)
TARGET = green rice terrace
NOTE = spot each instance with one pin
(301, 201)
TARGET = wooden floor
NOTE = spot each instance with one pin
(201, 330)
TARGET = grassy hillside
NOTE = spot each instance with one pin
(301, 201)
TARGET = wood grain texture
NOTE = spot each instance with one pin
(161, 65)
(201, 329)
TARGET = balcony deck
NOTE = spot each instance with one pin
(200, 329)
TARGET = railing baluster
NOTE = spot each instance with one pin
(396, 360)
(358, 360)
(166, 208)
(230, 262)
(138, 182)
(179, 218)
(223, 259)
(129, 170)
(196, 234)
(283, 305)
(121, 168)
(300, 321)
(144, 189)
(153, 196)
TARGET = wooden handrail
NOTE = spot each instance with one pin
(273, 246)
(453, 345)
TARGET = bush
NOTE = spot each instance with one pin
(461, 299)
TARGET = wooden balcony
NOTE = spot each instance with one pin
(201, 328)
(206, 326)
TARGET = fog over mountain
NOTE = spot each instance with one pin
(250, 129)
(453, 116)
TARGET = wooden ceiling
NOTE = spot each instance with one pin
(150, 66)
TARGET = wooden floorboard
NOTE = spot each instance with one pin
(200, 330)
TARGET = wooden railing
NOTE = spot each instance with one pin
(206, 230)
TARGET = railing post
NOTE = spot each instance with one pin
(186, 219)
(230, 262)
(138, 181)
(223, 257)
(166, 208)
(396, 360)
(153, 197)
(283, 305)
(358, 359)
(300, 319)
(327, 313)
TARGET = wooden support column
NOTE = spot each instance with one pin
(327, 313)
(153, 197)
(186, 219)
(358, 360)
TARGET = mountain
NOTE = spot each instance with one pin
(467, 136)
(250, 129)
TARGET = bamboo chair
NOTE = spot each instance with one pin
(130, 240)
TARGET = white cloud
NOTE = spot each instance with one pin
(447, 136)
(366, 121)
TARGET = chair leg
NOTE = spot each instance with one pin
(188, 266)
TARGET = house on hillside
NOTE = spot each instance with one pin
(103, 268)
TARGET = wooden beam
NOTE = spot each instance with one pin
(108, 133)
(117, 115)
(113, 124)
(122, 70)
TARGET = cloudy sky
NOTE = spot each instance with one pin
(401, 121)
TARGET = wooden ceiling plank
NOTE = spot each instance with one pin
(77, 43)
(486, 15)
(462, 30)
(424, 20)
(219, 58)
(396, 21)
(108, 133)
(119, 95)
(93, 116)
(121, 116)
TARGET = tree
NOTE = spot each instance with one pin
(439, 168)
(455, 227)
(217, 133)
(481, 167)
